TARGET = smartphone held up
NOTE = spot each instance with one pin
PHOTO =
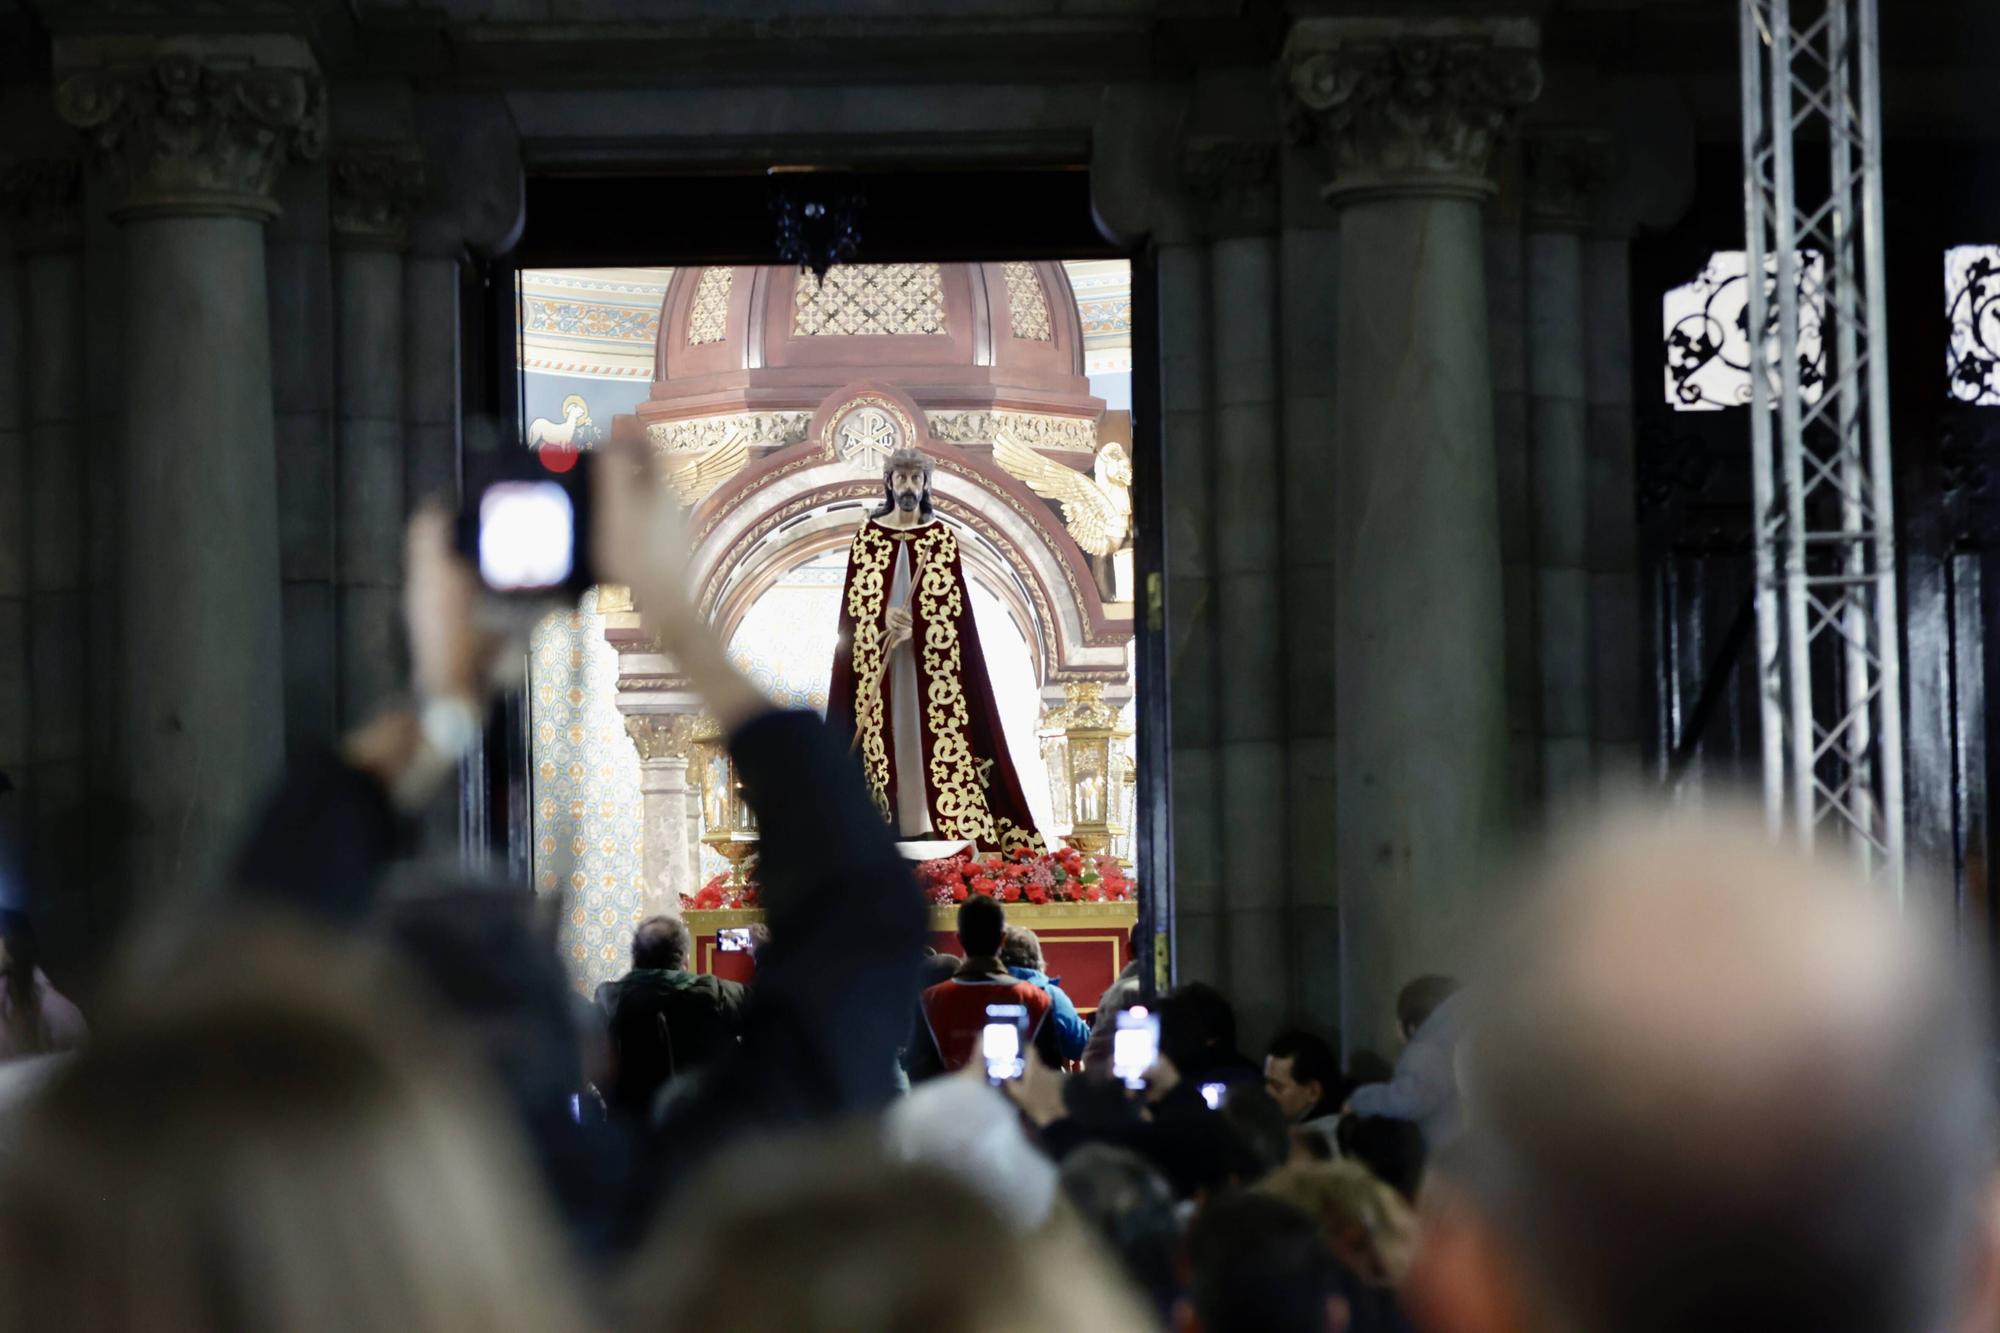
(525, 523)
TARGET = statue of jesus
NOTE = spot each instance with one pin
(909, 683)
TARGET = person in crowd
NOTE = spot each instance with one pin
(919, 1058)
(269, 1139)
(847, 922)
(818, 1236)
(1715, 1086)
(1021, 953)
(1198, 1035)
(1127, 1205)
(1303, 1077)
(664, 1018)
(1258, 1131)
(967, 1128)
(35, 1018)
(1368, 1226)
(955, 1008)
(1256, 1264)
(1424, 1088)
(1127, 989)
(1392, 1150)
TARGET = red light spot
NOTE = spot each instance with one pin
(557, 457)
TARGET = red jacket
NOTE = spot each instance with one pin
(955, 1011)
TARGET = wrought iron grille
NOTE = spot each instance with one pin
(1828, 649)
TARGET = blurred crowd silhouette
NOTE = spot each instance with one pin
(1695, 1083)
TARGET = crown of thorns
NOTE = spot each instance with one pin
(908, 458)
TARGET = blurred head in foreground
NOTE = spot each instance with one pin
(1715, 1088)
(258, 1147)
(825, 1235)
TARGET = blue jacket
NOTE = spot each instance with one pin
(1071, 1031)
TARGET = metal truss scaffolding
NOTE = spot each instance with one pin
(1829, 654)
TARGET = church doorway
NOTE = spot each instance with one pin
(1011, 352)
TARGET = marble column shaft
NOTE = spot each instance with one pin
(14, 702)
(1308, 316)
(1558, 451)
(1200, 917)
(203, 614)
(431, 378)
(1251, 626)
(369, 509)
(300, 265)
(671, 867)
(1612, 545)
(1507, 324)
(52, 279)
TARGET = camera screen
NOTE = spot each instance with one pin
(1211, 1093)
(733, 939)
(1000, 1043)
(1135, 1045)
(527, 535)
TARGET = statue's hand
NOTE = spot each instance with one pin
(899, 625)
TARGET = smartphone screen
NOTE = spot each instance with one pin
(1002, 1044)
(1212, 1093)
(733, 939)
(527, 536)
(1135, 1045)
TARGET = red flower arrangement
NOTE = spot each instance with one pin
(1026, 875)
(720, 895)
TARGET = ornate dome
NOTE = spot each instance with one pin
(972, 347)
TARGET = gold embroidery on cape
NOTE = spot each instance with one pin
(868, 587)
(955, 784)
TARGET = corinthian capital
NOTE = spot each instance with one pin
(1409, 106)
(193, 127)
(662, 735)
(375, 189)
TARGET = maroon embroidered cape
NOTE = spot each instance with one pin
(973, 790)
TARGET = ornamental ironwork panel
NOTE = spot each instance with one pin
(1027, 303)
(708, 318)
(1707, 327)
(1972, 305)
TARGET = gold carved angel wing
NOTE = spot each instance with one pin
(1098, 515)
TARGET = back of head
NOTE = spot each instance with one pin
(1196, 1025)
(1257, 1265)
(262, 1147)
(982, 925)
(1716, 1087)
(822, 1235)
(1130, 1208)
(1021, 947)
(662, 943)
(1418, 1000)
(1362, 1220)
(1260, 1135)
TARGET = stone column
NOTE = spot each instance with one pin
(300, 268)
(1561, 169)
(61, 450)
(1308, 316)
(1507, 329)
(431, 374)
(374, 187)
(672, 850)
(190, 134)
(1406, 112)
(1611, 547)
(14, 702)
(1233, 184)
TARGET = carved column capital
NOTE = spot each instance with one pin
(1564, 169)
(376, 187)
(44, 197)
(1409, 106)
(193, 127)
(1231, 182)
(662, 735)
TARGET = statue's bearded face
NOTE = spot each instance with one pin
(906, 488)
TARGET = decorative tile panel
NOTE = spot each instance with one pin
(1972, 306)
(1027, 303)
(858, 300)
(708, 320)
(587, 810)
